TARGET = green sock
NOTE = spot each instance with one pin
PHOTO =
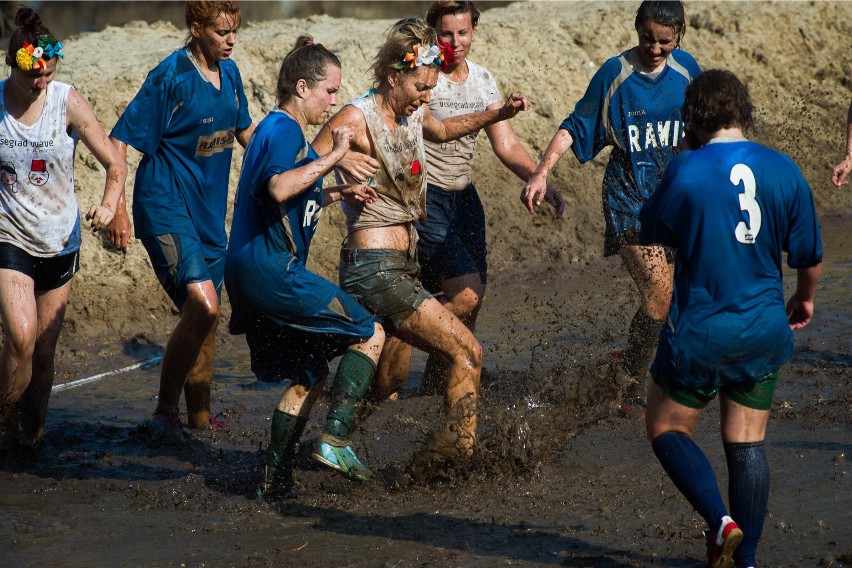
(281, 452)
(353, 378)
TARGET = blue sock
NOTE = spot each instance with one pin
(748, 494)
(692, 474)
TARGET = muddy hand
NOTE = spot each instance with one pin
(360, 167)
(515, 103)
(554, 199)
(341, 137)
(358, 194)
(533, 192)
(100, 216)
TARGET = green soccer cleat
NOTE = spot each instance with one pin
(341, 458)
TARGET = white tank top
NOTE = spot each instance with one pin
(450, 163)
(38, 208)
(401, 179)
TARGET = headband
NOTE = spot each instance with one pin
(441, 54)
(31, 57)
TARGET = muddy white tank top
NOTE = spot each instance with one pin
(38, 208)
(450, 163)
(401, 180)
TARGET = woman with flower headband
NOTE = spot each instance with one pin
(184, 120)
(378, 264)
(40, 122)
(295, 321)
(633, 104)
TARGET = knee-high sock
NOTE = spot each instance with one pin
(748, 494)
(354, 375)
(281, 452)
(641, 343)
(692, 474)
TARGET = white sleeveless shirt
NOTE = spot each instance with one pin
(401, 180)
(38, 208)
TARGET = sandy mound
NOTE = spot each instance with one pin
(793, 55)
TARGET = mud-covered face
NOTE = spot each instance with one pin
(411, 90)
(656, 42)
(216, 40)
(320, 99)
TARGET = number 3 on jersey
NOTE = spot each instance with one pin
(747, 233)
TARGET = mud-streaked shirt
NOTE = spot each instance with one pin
(38, 208)
(449, 164)
(401, 180)
(731, 208)
(185, 128)
(640, 117)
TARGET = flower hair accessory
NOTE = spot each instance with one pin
(440, 54)
(31, 57)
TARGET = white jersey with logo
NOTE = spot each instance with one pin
(450, 163)
(38, 208)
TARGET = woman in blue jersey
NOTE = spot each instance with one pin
(184, 120)
(633, 105)
(732, 208)
(41, 121)
(294, 320)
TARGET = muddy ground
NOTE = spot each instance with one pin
(559, 479)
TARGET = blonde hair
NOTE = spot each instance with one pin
(400, 39)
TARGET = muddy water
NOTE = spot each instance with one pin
(560, 480)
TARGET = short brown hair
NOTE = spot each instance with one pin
(450, 7)
(717, 99)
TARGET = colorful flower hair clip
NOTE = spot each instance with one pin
(31, 57)
(440, 54)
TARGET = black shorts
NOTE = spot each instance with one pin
(452, 237)
(48, 273)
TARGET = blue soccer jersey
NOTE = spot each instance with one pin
(730, 208)
(265, 271)
(185, 128)
(640, 117)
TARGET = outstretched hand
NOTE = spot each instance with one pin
(515, 103)
(100, 216)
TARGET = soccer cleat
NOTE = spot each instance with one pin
(721, 547)
(343, 459)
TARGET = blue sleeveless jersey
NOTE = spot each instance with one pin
(731, 208)
(185, 128)
(640, 117)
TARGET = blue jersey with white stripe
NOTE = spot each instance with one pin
(731, 208)
(185, 128)
(640, 117)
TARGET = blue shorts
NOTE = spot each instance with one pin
(178, 262)
(48, 273)
(300, 351)
(452, 237)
